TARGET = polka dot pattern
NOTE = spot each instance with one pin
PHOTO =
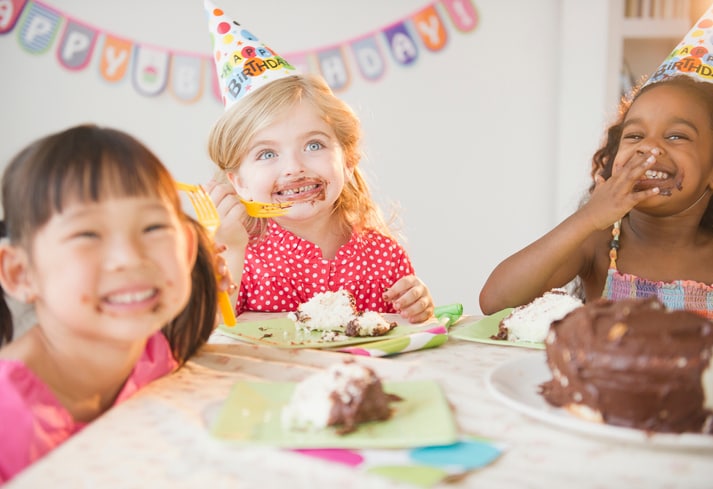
(283, 271)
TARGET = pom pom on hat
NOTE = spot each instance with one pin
(693, 56)
(242, 61)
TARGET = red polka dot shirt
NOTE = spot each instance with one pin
(283, 270)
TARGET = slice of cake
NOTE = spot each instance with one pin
(344, 395)
(531, 322)
(368, 323)
(632, 363)
(335, 313)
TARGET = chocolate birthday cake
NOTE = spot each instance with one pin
(633, 363)
(344, 395)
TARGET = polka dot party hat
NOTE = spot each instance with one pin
(242, 61)
(694, 54)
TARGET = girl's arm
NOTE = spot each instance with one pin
(231, 233)
(567, 250)
(551, 261)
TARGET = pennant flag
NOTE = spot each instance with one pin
(150, 70)
(10, 11)
(333, 68)
(186, 77)
(403, 47)
(243, 63)
(114, 60)
(429, 25)
(368, 58)
(38, 29)
(462, 14)
(76, 45)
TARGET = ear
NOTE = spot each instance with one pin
(237, 184)
(15, 276)
(191, 242)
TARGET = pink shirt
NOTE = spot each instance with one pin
(33, 422)
(283, 270)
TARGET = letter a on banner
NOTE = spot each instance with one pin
(10, 11)
(403, 47)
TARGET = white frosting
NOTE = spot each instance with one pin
(311, 403)
(532, 321)
(327, 311)
(371, 323)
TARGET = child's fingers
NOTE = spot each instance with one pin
(419, 310)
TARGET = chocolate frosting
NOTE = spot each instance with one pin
(634, 362)
(369, 402)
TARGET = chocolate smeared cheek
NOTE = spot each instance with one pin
(678, 183)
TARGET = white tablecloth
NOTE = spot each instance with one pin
(159, 437)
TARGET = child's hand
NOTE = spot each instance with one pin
(612, 199)
(231, 212)
(222, 271)
(411, 299)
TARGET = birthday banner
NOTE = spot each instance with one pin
(154, 70)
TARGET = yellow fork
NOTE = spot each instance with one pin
(208, 216)
(265, 209)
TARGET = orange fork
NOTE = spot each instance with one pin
(208, 216)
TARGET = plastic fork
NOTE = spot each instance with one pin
(265, 209)
(208, 216)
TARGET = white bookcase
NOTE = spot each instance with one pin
(646, 31)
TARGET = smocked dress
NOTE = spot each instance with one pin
(283, 270)
(32, 420)
(680, 294)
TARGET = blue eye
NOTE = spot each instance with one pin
(266, 155)
(314, 146)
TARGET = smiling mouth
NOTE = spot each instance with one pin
(302, 193)
(665, 182)
(656, 175)
(293, 192)
(128, 298)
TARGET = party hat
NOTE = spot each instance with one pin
(242, 62)
(693, 56)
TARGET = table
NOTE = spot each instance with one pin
(158, 438)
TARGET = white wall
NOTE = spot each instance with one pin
(466, 141)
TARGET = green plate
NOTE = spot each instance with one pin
(482, 331)
(252, 415)
(281, 332)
